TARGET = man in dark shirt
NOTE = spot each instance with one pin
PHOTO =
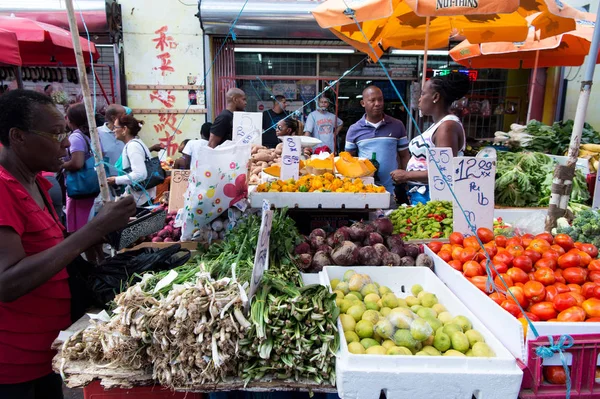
(270, 119)
(222, 127)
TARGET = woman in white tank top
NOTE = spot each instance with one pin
(447, 131)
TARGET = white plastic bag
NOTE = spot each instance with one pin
(218, 180)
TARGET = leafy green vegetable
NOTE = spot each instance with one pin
(585, 227)
(555, 139)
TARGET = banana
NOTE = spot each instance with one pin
(585, 153)
(595, 165)
(590, 147)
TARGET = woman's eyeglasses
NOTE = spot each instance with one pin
(278, 127)
(53, 136)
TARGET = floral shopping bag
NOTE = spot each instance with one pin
(218, 180)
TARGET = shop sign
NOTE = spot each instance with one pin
(471, 73)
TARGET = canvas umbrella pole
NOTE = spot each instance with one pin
(562, 183)
(533, 83)
(87, 100)
(427, 20)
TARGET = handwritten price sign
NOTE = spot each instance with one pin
(438, 188)
(290, 157)
(473, 182)
(261, 259)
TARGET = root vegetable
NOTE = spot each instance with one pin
(320, 260)
(262, 156)
(381, 250)
(398, 250)
(345, 230)
(345, 255)
(412, 250)
(338, 239)
(373, 238)
(407, 261)
(391, 259)
(304, 262)
(357, 243)
(279, 146)
(368, 256)
(318, 232)
(394, 240)
(256, 170)
(383, 226)
(302, 248)
(157, 239)
(424, 260)
(325, 248)
(357, 232)
(315, 241)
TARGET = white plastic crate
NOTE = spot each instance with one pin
(509, 329)
(321, 200)
(366, 376)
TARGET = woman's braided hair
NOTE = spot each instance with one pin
(451, 87)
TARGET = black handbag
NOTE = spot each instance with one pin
(155, 172)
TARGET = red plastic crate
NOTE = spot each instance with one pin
(584, 354)
(95, 391)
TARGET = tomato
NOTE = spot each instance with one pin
(471, 242)
(468, 254)
(456, 238)
(597, 291)
(585, 259)
(594, 276)
(500, 241)
(587, 289)
(578, 244)
(543, 310)
(516, 240)
(551, 293)
(456, 265)
(594, 320)
(480, 282)
(435, 246)
(539, 245)
(545, 236)
(445, 255)
(504, 257)
(499, 266)
(518, 275)
(534, 256)
(497, 297)
(530, 316)
(531, 275)
(592, 307)
(561, 287)
(545, 276)
(551, 254)
(534, 291)
(519, 295)
(559, 276)
(575, 275)
(456, 251)
(523, 262)
(564, 241)
(564, 301)
(575, 288)
(594, 265)
(590, 249)
(570, 259)
(515, 250)
(446, 247)
(526, 239)
(560, 250)
(546, 263)
(511, 307)
(555, 375)
(485, 235)
(574, 313)
(579, 298)
(472, 269)
(508, 282)
(491, 249)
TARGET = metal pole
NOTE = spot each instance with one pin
(87, 100)
(533, 83)
(563, 177)
(425, 52)
(19, 76)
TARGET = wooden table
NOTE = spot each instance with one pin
(79, 373)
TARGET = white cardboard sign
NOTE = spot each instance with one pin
(290, 157)
(473, 182)
(438, 188)
(261, 259)
(247, 123)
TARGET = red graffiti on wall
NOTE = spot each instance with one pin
(168, 125)
(163, 41)
(165, 97)
(165, 64)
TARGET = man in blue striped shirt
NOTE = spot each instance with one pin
(380, 134)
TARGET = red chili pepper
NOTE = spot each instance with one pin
(408, 221)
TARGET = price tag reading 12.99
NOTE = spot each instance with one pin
(261, 259)
(290, 157)
(473, 186)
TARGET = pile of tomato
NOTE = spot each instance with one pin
(552, 278)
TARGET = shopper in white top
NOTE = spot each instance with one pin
(437, 96)
(110, 145)
(134, 157)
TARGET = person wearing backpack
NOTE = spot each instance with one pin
(134, 158)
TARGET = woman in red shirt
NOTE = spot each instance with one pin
(34, 291)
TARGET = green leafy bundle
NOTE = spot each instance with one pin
(555, 139)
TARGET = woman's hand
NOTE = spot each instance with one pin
(115, 215)
(157, 147)
(111, 180)
(400, 176)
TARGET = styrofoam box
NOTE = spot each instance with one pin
(508, 329)
(365, 376)
(321, 200)
(582, 163)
